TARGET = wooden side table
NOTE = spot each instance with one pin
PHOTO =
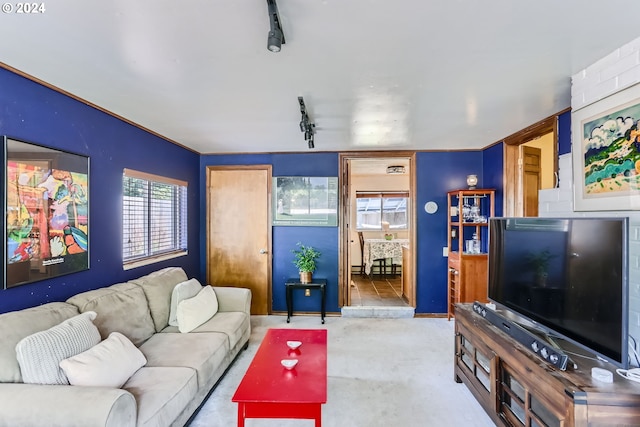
(292, 284)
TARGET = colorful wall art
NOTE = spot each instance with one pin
(606, 153)
(46, 213)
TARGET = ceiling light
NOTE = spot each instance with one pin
(394, 170)
(275, 39)
(305, 123)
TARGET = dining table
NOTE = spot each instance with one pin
(382, 249)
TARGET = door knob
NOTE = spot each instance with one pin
(263, 251)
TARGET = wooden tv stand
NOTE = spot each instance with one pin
(517, 388)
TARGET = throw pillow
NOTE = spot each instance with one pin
(39, 354)
(107, 364)
(193, 312)
(182, 291)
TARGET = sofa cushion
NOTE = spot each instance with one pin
(39, 354)
(109, 363)
(121, 308)
(158, 287)
(233, 323)
(161, 393)
(182, 291)
(193, 312)
(16, 325)
(203, 352)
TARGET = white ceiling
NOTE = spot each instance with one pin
(375, 74)
(377, 165)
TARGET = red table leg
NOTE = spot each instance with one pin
(240, 414)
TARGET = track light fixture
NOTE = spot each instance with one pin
(275, 38)
(305, 124)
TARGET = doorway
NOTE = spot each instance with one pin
(239, 232)
(530, 165)
(378, 192)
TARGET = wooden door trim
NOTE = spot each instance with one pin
(268, 168)
(513, 191)
(343, 234)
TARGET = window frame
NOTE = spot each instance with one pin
(382, 195)
(178, 219)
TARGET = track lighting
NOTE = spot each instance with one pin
(305, 124)
(275, 39)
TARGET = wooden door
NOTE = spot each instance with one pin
(531, 179)
(239, 232)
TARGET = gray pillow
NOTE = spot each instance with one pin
(182, 291)
(39, 354)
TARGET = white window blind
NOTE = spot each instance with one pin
(154, 216)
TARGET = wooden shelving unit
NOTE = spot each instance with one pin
(469, 213)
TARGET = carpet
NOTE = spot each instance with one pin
(381, 373)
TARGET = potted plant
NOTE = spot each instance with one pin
(305, 260)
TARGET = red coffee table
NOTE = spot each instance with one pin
(268, 390)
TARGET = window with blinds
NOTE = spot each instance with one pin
(373, 207)
(154, 216)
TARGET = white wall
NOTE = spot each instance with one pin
(611, 74)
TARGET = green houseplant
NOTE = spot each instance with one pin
(305, 260)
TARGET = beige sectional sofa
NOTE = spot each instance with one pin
(180, 371)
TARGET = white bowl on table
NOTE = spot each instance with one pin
(293, 345)
(289, 363)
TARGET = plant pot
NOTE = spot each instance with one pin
(305, 276)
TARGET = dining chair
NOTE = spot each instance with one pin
(382, 262)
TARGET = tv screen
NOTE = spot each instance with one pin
(568, 275)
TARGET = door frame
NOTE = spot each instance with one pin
(344, 269)
(513, 192)
(269, 169)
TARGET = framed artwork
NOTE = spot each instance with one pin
(606, 153)
(46, 212)
(305, 201)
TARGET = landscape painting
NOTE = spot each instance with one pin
(607, 164)
(305, 201)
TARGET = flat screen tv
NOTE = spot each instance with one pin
(567, 276)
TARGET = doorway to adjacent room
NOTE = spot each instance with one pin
(377, 230)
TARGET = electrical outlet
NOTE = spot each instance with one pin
(307, 292)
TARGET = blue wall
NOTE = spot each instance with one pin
(324, 239)
(33, 113)
(564, 133)
(437, 173)
(492, 167)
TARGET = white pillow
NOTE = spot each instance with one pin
(193, 312)
(39, 354)
(182, 291)
(107, 364)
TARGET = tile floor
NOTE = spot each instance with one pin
(376, 290)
